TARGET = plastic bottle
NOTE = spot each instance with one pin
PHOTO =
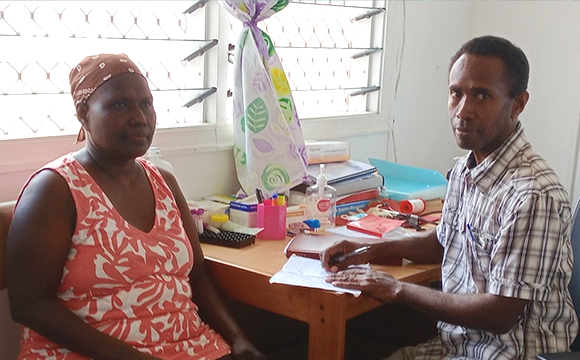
(154, 155)
(321, 201)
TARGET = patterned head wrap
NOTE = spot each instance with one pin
(92, 72)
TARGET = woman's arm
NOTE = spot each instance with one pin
(211, 306)
(39, 240)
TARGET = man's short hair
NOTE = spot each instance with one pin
(515, 60)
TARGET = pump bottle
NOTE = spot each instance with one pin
(321, 201)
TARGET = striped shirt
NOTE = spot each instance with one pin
(505, 230)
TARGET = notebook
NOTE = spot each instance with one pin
(342, 171)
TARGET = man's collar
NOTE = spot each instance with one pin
(487, 172)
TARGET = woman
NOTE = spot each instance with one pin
(103, 255)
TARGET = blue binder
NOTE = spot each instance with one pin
(407, 182)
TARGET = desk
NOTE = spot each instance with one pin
(243, 274)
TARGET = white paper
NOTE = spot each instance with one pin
(302, 271)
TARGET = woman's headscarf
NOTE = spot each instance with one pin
(92, 72)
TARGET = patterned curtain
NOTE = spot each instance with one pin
(269, 146)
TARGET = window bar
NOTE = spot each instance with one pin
(365, 90)
(369, 14)
(201, 50)
(367, 52)
(196, 6)
(200, 97)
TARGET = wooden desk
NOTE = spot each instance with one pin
(243, 274)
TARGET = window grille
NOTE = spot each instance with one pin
(326, 48)
(42, 41)
(330, 50)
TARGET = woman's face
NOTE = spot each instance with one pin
(120, 117)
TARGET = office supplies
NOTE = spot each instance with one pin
(342, 171)
(471, 236)
(301, 271)
(342, 257)
(374, 225)
(413, 206)
(366, 194)
(227, 238)
(272, 219)
(408, 182)
(373, 181)
(259, 196)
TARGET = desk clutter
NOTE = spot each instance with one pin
(370, 198)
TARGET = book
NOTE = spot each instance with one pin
(326, 151)
(311, 246)
(341, 171)
(366, 194)
(374, 225)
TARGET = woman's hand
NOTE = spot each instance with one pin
(242, 349)
(342, 247)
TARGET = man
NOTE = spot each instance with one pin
(503, 239)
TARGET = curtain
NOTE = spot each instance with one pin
(269, 146)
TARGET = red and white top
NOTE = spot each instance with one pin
(127, 283)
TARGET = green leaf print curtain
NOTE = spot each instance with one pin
(269, 146)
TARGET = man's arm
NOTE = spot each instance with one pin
(419, 247)
(493, 313)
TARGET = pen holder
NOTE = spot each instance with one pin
(272, 218)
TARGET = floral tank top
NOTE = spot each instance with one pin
(126, 283)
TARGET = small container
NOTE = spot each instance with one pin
(218, 220)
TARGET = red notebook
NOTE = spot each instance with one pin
(374, 225)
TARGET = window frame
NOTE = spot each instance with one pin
(215, 134)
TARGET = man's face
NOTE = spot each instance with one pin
(481, 112)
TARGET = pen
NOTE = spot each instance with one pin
(275, 200)
(471, 233)
(259, 196)
(342, 257)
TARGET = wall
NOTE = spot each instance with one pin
(549, 34)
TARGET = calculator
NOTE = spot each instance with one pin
(227, 238)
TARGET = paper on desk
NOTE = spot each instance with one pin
(302, 271)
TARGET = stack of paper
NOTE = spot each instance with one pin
(301, 271)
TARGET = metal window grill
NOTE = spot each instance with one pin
(42, 41)
(326, 49)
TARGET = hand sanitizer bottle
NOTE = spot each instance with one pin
(321, 201)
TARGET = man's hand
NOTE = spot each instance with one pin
(342, 247)
(379, 285)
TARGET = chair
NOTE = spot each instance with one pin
(10, 333)
(5, 218)
(574, 288)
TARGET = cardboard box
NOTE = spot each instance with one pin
(244, 214)
(326, 151)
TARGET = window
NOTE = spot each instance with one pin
(332, 51)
